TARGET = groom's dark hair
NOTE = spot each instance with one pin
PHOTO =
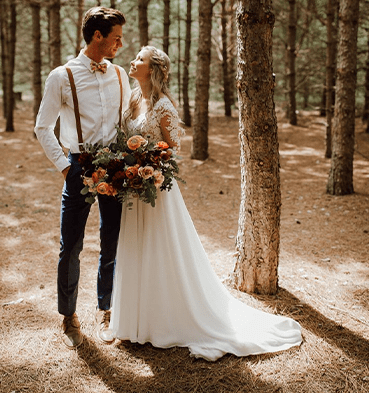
(102, 19)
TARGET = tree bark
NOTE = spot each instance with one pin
(4, 50)
(365, 116)
(199, 149)
(186, 65)
(226, 77)
(55, 39)
(81, 4)
(36, 39)
(330, 73)
(55, 44)
(232, 52)
(10, 68)
(143, 23)
(258, 234)
(166, 26)
(179, 61)
(292, 61)
(340, 181)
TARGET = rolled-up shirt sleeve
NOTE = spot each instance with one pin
(46, 119)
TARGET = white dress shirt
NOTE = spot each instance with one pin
(98, 98)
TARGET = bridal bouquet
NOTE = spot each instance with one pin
(131, 167)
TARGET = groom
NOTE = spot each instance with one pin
(99, 93)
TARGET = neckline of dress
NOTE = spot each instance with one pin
(141, 114)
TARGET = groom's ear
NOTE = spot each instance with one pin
(97, 35)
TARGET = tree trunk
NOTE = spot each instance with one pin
(226, 79)
(186, 64)
(179, 80)
(166, 26)
(258, 235)
(291, 61)
(10, 68)
(365, 116)
(55, 39)
(112, 3)
(330, 73)
(36, 39)
(340, 181)
(55, 44)
(232, 52)
(81, 4)
(4, 25)
(143, 23)
(199, 150)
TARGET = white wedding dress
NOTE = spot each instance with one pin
(165, 290)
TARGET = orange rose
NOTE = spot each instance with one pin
(95, 177)
(136, 141)
(106, 189)
(146, 172)
(103, 188)
(112, 191)
(131, 172)
(162, 145)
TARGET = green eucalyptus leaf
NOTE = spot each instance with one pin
(85, 190)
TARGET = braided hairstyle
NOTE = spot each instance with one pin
(159, 64)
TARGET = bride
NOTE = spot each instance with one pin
(165, 291)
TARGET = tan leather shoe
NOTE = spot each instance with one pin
(72, 336)
(103, 332)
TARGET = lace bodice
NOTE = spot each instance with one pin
(148, 124)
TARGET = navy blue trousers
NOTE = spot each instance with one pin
(74, 214)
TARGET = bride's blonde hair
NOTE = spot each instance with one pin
(159, 63)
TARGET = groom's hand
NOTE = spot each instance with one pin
(65, 172)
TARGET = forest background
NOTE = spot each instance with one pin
(310, 45)
(323, 268)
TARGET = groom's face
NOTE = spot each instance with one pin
(109, 45)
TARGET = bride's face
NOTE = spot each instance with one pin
(140, 66)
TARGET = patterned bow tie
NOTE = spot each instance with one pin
(98, 67)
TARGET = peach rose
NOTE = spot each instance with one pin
(87, 181)
(146, 172)
(101, 172)
(135, 141)
(131, 172)
(162, 145)
(159, 178)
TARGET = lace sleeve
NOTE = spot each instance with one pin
(167, 112)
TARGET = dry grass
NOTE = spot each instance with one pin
(323, 275)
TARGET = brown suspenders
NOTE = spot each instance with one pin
(76, 106)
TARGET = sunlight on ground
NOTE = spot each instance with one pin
(12, 276)
(9, 221)
(305, 151)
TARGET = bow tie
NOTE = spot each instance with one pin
(98, 67)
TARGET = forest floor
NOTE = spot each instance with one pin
(323, 273)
